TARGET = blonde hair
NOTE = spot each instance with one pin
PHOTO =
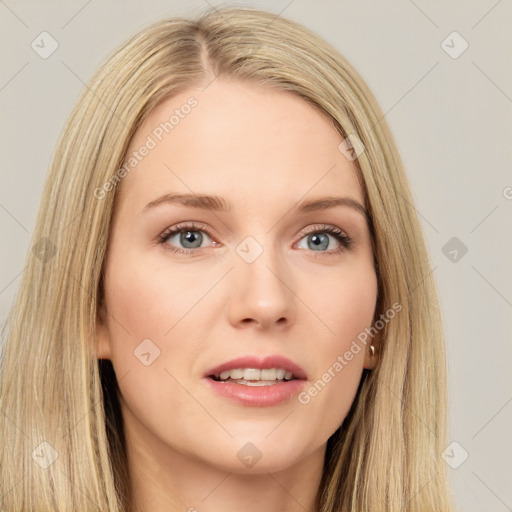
(386, 455)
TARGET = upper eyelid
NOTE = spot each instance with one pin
(313, 228)
(182, 226)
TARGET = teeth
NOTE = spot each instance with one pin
(255, 374)
(252, 374)
(268, 374)
(236, 374)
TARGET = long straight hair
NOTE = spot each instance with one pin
(62, 445)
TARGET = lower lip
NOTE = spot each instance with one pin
(257, 396)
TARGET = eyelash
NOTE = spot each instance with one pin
(344, 240)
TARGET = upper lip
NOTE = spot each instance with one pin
(272, 361)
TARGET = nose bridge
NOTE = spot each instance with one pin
(262, 290)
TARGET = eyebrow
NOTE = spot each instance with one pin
(217, 203)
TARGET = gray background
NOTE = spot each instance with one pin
(452, 121)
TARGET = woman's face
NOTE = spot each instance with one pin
(260, 278)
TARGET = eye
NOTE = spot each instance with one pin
(189, 236)
(318, 238)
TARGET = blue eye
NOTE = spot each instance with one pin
(190, 236)
(319, 238)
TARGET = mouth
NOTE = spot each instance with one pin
(256, 381)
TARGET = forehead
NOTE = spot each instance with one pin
(238, 140)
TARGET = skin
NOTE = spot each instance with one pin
(265, 151)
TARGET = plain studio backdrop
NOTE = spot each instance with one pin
(442, 75)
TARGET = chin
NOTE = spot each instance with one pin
(260, 453)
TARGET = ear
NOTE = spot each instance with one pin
(103, 346)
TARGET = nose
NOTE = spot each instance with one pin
(262, 294)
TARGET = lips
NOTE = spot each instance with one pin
(257, 393)
(262, 363)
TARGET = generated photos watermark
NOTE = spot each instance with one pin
(151, 142)
(344, 359)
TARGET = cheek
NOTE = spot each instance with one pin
(347, 308)
(143, 307)
(147, 324)
(344, 303)
(147, 302)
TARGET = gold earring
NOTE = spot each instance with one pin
(372, 350)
